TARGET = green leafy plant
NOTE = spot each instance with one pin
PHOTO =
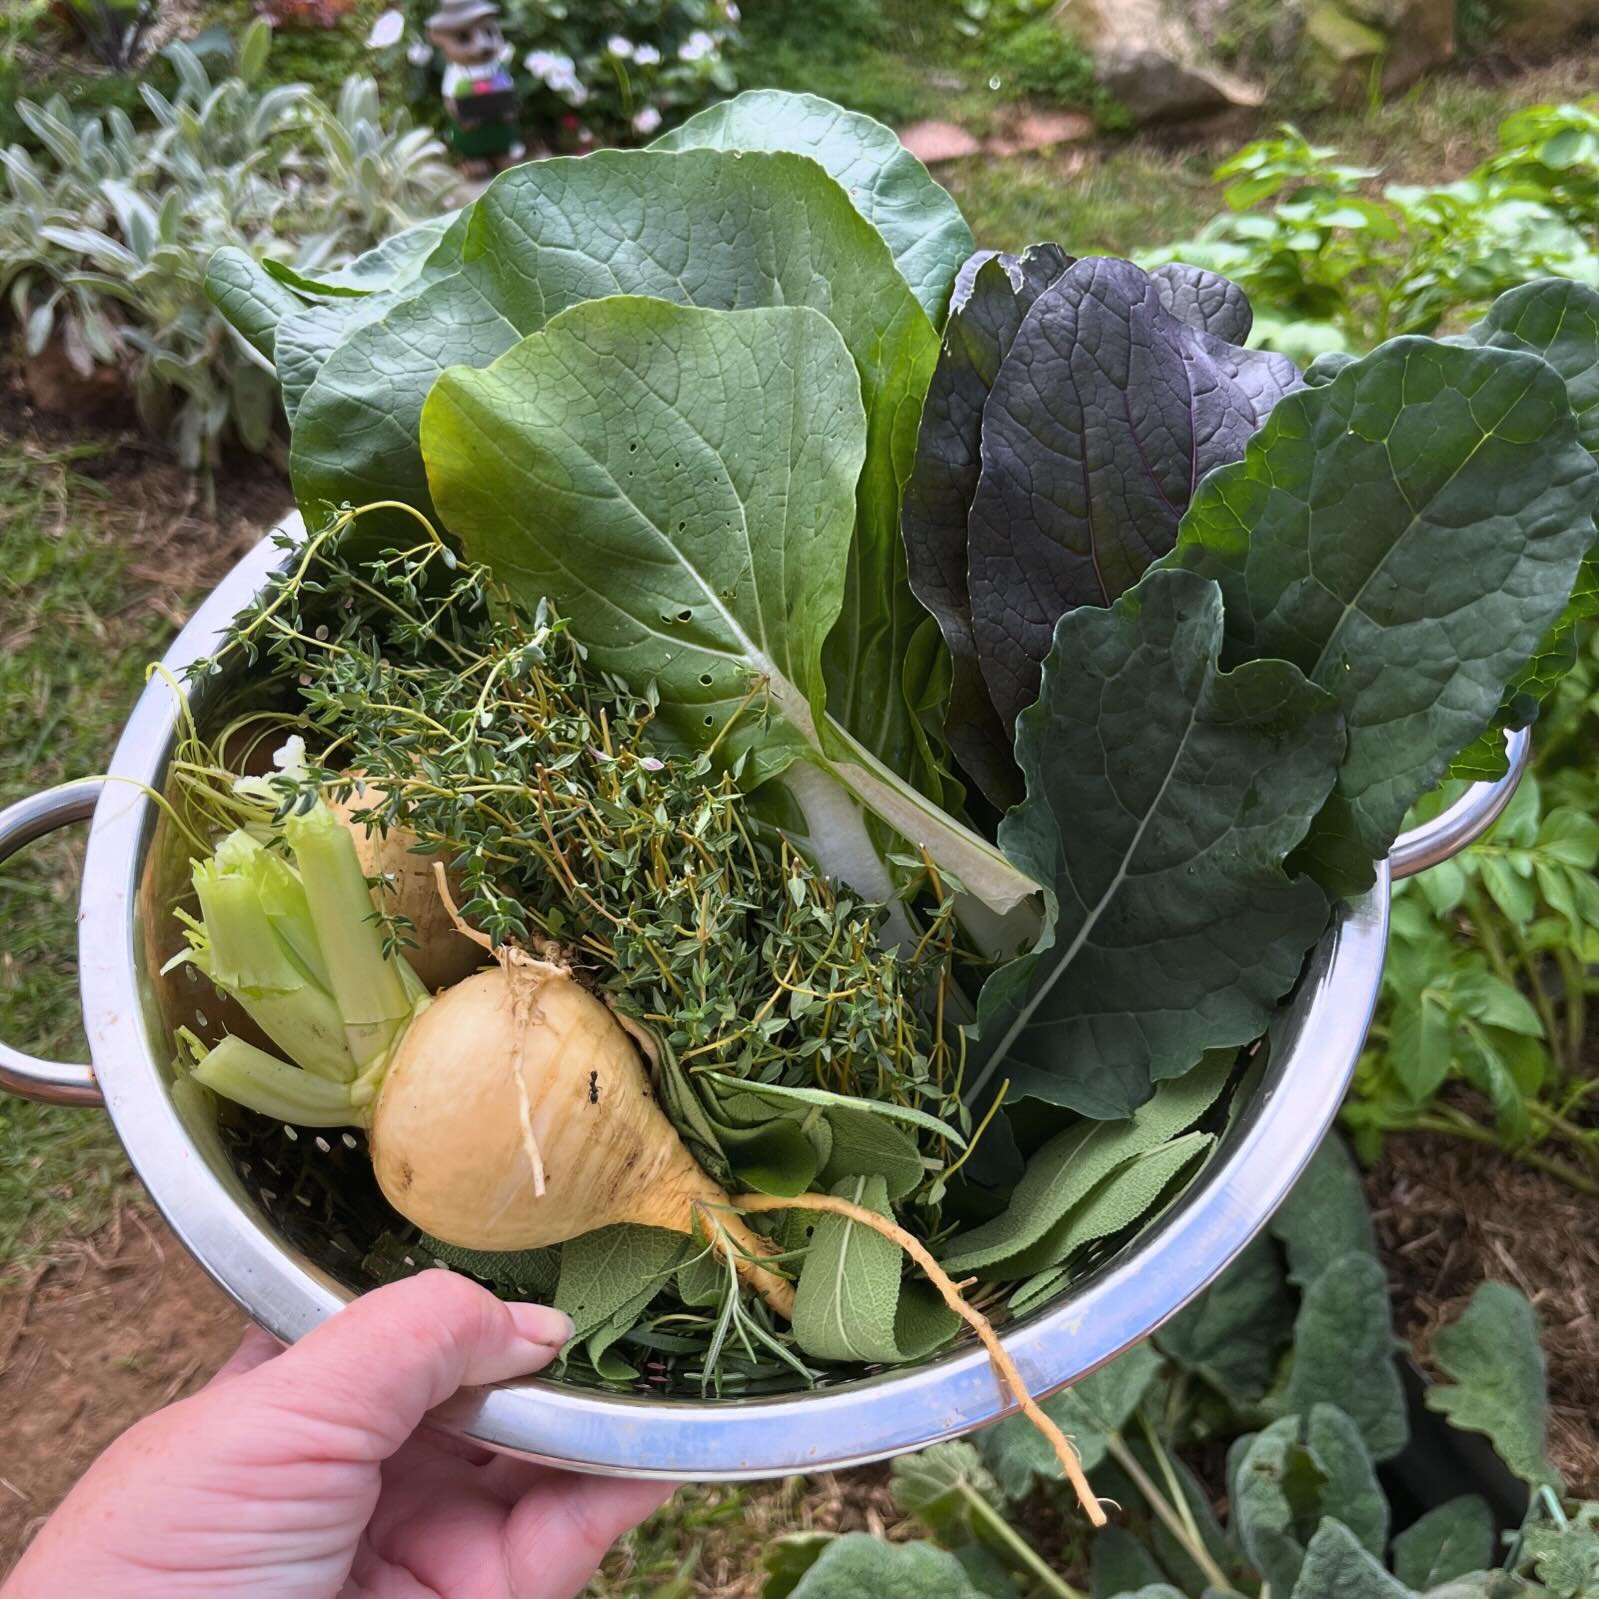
(1488, 976)
(104, 239)
(1259, 1364)
(1331, 265)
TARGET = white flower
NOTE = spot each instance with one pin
(646, 55)
(419, 52)
(556, 72)
(619, 47)
(647, 120)
(699, 46)
(387, 30)
(732, 12)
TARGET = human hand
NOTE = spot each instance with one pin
(300, 1473)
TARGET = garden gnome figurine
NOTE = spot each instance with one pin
(478, 92)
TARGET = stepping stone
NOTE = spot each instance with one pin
(933, 142)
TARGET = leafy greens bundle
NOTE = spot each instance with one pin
(1017, 592)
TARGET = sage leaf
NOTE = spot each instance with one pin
(1235, 1333)
(1494, 1359)
(1325, 1215)
(921, 225)
(859, 1566)
(1329, 536)
(1451, 1540)
(519, 1273)
(1134, 1191)
(603, 1271)
(1067, 1169)
(1344, 1325)
(1163, 795)
(851, 1302)
(1102, 419)
(1337, 1567)
(1089, 1413)
(992, 295)
(797, 1094)
(865, 1145)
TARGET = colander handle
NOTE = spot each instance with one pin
(1466, 820)
(54, 1082)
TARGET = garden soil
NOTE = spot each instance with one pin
(94, 1336)
(1450, 1215)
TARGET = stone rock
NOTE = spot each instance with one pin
(1150, 58)
(932, 142)
(1532, 21)
(1039, 130)
(1348, 42)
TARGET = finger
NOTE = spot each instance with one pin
(510, 1479)
(256, 1348)
(371, 1373)
(556, 1537)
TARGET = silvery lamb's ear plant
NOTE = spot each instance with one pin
(104, 238)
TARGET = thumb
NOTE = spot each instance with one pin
(375, 1369)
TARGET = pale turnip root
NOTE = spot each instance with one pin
(510, 1111)
(516, 1113)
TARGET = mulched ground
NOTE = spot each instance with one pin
(1450, 1215)
(91, 1339)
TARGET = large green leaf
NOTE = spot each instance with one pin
(1276, 1485)
(1163, 795)
(938, 1486)
(919, 222)
(1074, 1163)
(1495, 1360)
(681, 484)
(858, 1566)
(247, 297)
(1344, 1325)
(1325, 1216)
(1449, 1541)
(1351, 1491)
(851, 1302)
(712, 228)
(1558, 320)
(1337, 1567)
(993, 295)
(1405, 534)
(1234, 1334)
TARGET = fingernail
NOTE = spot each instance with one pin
(541, 1324)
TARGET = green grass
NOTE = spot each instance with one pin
(1116, 203)
(72, 654)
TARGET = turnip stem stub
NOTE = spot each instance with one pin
(1004, 1366)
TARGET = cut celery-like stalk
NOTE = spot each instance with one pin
(239, 1071)
(366, 985)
